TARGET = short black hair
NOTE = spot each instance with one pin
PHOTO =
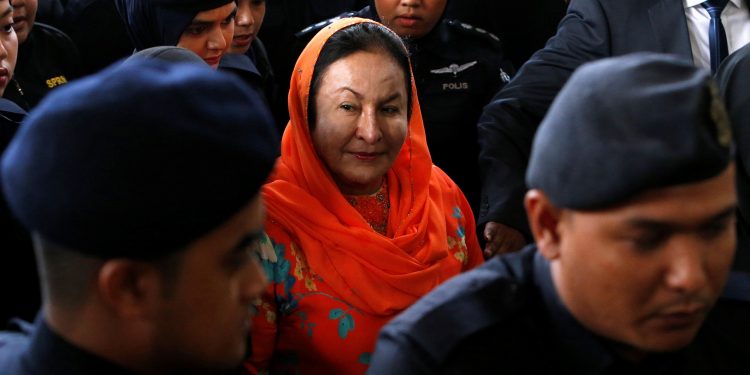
(67, 275)
(366, 36)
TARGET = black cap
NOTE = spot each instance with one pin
(139, 160)
(624, 125)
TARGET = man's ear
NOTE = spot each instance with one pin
(129, 288)
(544, 219)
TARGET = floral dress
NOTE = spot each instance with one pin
(303, 327)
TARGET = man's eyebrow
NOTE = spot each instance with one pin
(657, 224)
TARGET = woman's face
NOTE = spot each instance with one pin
(249, 18)
(361, 119)
(8, 45)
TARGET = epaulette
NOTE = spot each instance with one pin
(312, 29)
(737, 287)
(467, 29)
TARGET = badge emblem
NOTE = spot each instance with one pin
(505, 77)
(454, 68)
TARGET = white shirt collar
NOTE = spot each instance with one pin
(692, 3)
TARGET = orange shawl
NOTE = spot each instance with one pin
(372, 272)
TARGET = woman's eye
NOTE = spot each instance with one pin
(195, 30)
(7, 29)
(347, 107)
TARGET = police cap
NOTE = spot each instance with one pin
(139, 160)
(628, 124)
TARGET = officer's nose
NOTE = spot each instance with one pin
(244, 19)
(687, 269)
(411, 3)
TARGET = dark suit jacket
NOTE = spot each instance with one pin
(592, 29)
(734, 78)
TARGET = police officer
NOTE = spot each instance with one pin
(457, 68)
(47, 58)
(19, 290)
(633, 215)
(144, 221)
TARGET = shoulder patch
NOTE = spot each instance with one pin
(312, 29)
(478, 32)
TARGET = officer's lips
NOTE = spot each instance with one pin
(243, 40)
(681, 317)
(409, 20)
(4, 76)
(19, 23)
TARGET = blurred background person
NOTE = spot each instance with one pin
(47, 58)
(19, 285)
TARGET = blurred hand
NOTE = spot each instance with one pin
(501, 239)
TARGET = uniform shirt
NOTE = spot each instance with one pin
(19, 284)
(735, 18)
(46, 353)
(458, 68)
(506, 317)
(46, 60)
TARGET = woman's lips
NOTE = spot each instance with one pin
(366, 156)
(213, 61)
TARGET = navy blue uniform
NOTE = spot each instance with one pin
(524, 25)
(457, 68)
(46, 353)
(19, 285)
(46, 60)
(505, 317)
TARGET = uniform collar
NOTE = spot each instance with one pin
(50, 353)
(583, 351)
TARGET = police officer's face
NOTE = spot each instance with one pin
(210, 33)
(410, 18)
(645, 273)
(361, 119)
(8, 45)
(203, 320)
(24, 14)
(249, 19)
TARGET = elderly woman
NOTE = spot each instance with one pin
(360, 221)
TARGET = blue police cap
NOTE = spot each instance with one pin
(139, 160)
(624, 125)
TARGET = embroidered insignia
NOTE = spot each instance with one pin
(505, 77)
(454, 68)
(720, 117)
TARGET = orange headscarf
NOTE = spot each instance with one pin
(372, 272)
